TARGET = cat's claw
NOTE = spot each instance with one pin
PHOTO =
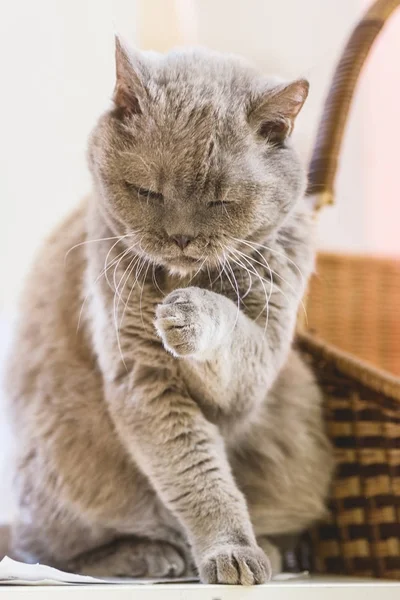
(235, 565)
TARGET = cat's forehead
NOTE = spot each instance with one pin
(192, 134)
(196, 79)
(194, 109)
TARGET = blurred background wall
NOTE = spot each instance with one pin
(57, 68)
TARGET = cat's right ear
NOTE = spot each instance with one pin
(129, 93)
(273, 115)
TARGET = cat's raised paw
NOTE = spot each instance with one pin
(235, 565)
(187, 321)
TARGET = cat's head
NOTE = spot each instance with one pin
(194, 155)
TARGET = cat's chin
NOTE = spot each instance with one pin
(184, 265)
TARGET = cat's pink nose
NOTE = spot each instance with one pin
(182, 240)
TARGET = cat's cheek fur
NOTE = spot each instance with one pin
(192, 323)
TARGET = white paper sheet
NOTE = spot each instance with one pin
(13, 572)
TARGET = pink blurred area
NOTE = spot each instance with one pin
(381, 141)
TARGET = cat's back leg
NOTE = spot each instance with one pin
(77, 488)
(131, 557)
(83, 505)
(97, 551)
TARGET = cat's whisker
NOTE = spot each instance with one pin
(262, 280)
(113, 262)
(221, 270)
(247, 292)
(233, 284)
(281, 291)
(118, 295)
(219, 274)
(140, 270)
(154, 279)
(141, 295)
(209, 275)
(116, 299)
(126, 304)
(114, 274)
(131, 269)
(244, 255)
(236, 288)
(99, 276)
(115, 285)
(250, 261)
(289, 285)
(229, 250)
(198, 271)
(286, 257)
(105, 239)
(106, 262)
(274, 251)
(119, 289)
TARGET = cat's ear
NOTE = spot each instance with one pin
(273, 115)
(129, 92)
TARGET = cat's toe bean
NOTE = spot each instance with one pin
(236, 565)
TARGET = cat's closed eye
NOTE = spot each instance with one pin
(218, 203)
(144, 193)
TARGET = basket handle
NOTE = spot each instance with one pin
(325, 157)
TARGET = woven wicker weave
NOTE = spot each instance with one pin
(362, 534)
(354, 303)
(353, 311)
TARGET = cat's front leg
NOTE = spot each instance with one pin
(184, 457)
(194, 322)
(203, 329)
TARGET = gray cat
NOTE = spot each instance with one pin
(162, 418)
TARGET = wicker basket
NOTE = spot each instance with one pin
(353, 342)
(342, 285)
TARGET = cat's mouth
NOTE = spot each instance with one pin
(184, 260)
(184, 264)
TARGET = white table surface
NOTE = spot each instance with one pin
(307, 589)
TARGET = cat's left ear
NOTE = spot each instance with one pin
(274, 114)
(129, 93)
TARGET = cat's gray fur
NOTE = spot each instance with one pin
(176, 424)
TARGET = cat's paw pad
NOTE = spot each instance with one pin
(186, 321)
(235, 565)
